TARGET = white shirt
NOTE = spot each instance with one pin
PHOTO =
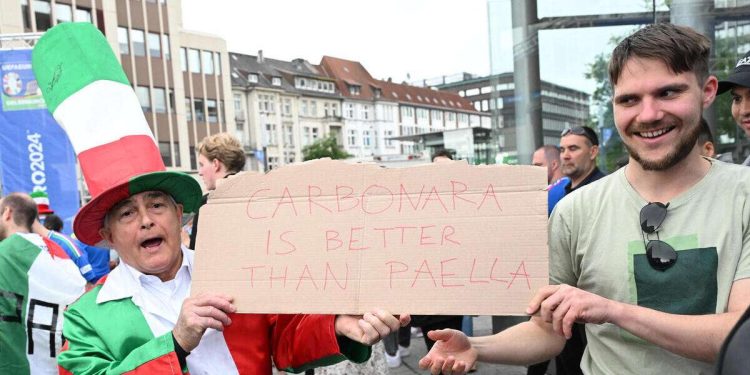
(160, 302)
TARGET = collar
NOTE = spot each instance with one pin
(593, 176)
(124, 281)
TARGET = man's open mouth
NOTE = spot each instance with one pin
(654, 133)
(152, 242)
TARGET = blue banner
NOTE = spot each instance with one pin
(35, 153)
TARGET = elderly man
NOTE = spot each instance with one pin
(142, 318)
(654, 258)
(37, 282)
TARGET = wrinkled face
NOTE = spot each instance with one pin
(657, 112)
(145, 231)
(207, 169)
(578, 155)
(741, 107)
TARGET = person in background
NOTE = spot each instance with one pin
(738, 85)
(79, 257)
(579, 148)
(37, 282)
(706, 141)
(219, 156)
(549, 156)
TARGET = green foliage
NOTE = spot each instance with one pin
(326, 147)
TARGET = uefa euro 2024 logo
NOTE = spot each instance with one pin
(12, 84)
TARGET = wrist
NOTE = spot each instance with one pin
(617, 312)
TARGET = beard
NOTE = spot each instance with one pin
(681, 150)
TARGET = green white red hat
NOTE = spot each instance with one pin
(42, 202)
(89, 95)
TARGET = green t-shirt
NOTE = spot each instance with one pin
(596, 244)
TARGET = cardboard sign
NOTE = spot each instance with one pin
(333, 237)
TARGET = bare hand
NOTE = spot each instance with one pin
(370, 327)
(200, 313)
(451, 354)
(563, 305)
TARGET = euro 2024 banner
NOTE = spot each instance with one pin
(35, 153)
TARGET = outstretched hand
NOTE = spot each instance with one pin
(563, 305)
(451, 354)
(370, 327)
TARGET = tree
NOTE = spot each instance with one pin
(326, 147)
(612, 148)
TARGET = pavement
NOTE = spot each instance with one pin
(482, 327)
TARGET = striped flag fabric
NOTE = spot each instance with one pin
(35, 286)
(89, 95)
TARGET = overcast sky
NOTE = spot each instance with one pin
(393, 38)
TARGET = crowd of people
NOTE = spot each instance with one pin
(649, 265)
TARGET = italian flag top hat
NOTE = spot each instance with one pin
(89, 95)
(42, 202)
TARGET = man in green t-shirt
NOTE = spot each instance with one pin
(658, 285)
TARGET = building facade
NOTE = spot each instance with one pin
(178, 76)
(562, 107)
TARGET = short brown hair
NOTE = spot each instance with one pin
(226, 148)
(680, 48)
(24, 209)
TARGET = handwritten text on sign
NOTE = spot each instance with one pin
(332, 237)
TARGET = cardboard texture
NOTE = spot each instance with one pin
(332, 237)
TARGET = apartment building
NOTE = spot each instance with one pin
(282, 106)
(178, 76)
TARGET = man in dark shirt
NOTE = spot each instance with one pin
(579, 147)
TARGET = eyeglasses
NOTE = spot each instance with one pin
(661, 256)
(584, 131)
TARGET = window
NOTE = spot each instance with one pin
(352, 138)
(26, 18)
(252, 77)
(222, 116)
(354, 89)
(271, 134)
(287, 106)
(160, 103)
(199, 111)
(407, 111)
(165, 150)
(314, 134)
(217, 63)
(306, 136)
(303, 108)
(273, 162)
(83, 15)
(349, 110)
(143, 98)
(183, 59)
(63, 13)
(42, 14)
(366, 112)
(266, 103)
(122, 39)
(165, 46)
(288, 135)
(366, 141)
(276, 81)
(208, 62)
(194, 60)
(334, 109)
(139, 45)
(188, 110)
(388, 141)
(213, 114)
(154, 45)
(237, 103)
(314, 108)
(289, 157)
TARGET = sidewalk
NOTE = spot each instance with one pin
(482, 327)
